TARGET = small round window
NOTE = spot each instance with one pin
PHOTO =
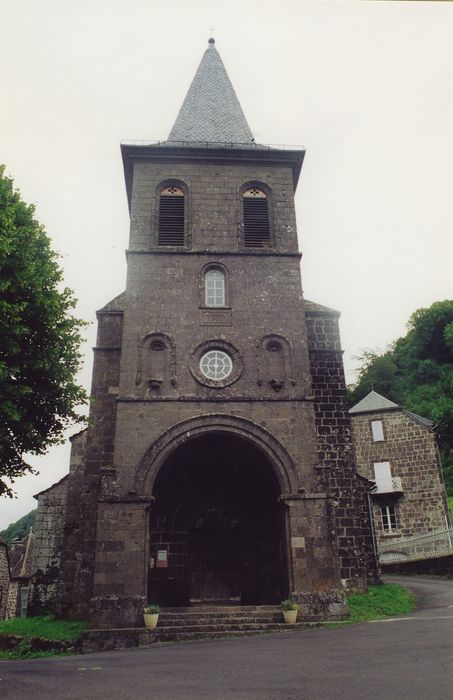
(216, 365)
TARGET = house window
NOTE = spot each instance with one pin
(214, 288)
(378, 430)
(388, 516)
(256, 218)
(383, 477)
(171, 216)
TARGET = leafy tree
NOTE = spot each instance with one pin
(18, 530)
(39, 340)
(416, 371)
(378, 372)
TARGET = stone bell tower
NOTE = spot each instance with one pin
(217, 466)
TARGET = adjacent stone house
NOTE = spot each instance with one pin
(218, 462)
(17, 564)
(398, 450)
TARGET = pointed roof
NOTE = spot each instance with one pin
(211, 111)
(373, 402)
(22, 556)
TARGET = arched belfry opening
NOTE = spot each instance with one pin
(217, 525)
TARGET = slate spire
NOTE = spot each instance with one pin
(211, 110)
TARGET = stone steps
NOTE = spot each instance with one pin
(226, 627)
(206, 608)
(230, 631)
(212, 622)
(177, 625)
(219, 615)
(235, 620)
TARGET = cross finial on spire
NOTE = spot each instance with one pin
(211, 39)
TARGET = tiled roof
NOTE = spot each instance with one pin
(116, 304)
(211, 111)
(420, 419)
(315, 308)
(22, 556)
(373, 402)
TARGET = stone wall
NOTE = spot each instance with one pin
(337, 473)
(411, 449)
(441, 566)
(96, 456)
(4, 578)
(50, 531)
(49, 526)
(12, 601)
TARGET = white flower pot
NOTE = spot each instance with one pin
(150, 620)
(290, 616)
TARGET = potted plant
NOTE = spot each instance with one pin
(151, 615)
(289, 609)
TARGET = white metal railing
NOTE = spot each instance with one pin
(429, 546)
(213, 144)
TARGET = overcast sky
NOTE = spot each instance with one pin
(366, 87)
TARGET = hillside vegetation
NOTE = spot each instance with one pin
(20, 528)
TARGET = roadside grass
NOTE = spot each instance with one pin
(45, 626)
(381, 601)
(35, 637)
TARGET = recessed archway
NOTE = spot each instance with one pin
(217, 525)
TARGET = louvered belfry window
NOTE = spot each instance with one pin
(256, 219)
(171, 216)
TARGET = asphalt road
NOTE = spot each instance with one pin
(396, 659)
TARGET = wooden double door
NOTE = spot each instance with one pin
(214, 565)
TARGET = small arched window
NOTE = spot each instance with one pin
(273, 346)
(256, 218)
(214, 288)
(171, 216)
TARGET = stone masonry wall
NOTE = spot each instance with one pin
(12, 601)
(337, 473)
(84, 485)
(4, 578)
(49, 526)
(411, 449)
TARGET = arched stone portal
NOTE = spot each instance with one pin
(217, 530)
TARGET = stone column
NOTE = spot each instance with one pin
(313, 557)
(121, 564)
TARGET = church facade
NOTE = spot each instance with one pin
(218, 465)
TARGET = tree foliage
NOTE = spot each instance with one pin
(18, 530)
(39, 340)
(417, 373)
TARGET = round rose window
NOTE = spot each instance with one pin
(216, 365)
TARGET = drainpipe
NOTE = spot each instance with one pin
(373, 532)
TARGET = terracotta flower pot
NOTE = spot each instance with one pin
(150, 620)
(290, 616)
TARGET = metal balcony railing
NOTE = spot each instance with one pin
(390, 486)
(429, 546)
